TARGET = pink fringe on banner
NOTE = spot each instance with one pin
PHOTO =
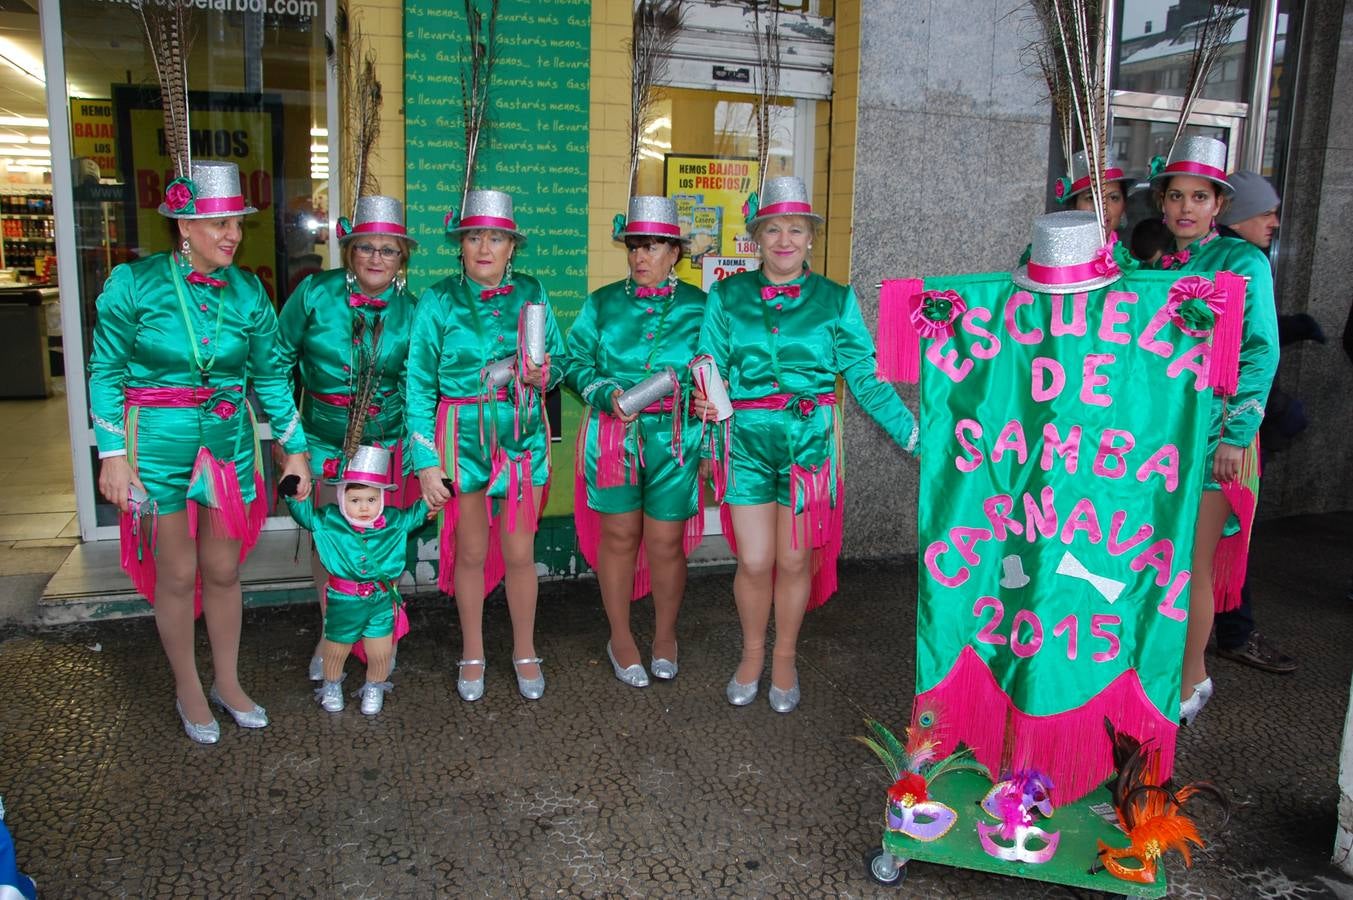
(1233, 552)
(401, 629)
(1070, 747)
(899, 345)
(1226, 335)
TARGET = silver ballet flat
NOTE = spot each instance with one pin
(253, 718)
(470, 689)
(666, 669)
(530, 688)
(316, 668)
(784, 701)
(740, 694)
(330, 696)
(209, 733)
(1189, 709)
(634, 675)
(373, 696)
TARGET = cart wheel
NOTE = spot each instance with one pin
(884, 868)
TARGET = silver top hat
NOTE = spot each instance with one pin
(370, 465)
(376, 214)
(485, 209)
(1204, 157)
(1080, 174)
(212, 192)
(1068, 255)
(784, 196)
(649, 217)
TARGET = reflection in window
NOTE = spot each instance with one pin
(1157, 61)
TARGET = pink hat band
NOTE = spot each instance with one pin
(219, 204)
(354, 475)
(1081, 184)
(487, 222)
(1189, 167)
(660, 227)
(1072, 274)
(378, 228)
(785, 208)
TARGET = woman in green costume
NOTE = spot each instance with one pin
(479, 433)
(782, 335)
(637, 487)
(1192, 191)
(349, 330)
(181, 338)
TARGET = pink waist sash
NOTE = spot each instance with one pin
(359, 588)
(174, 397)
(807, 402)
(500, 394)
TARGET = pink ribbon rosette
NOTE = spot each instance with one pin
(331, 467)
(933, 313)
(1194, 304)
(179, 195)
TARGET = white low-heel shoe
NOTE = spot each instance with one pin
(1189, 709)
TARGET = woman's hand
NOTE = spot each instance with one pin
(1226, 462)
(298, 464)
(704, 410)
(616, 410)
(116, 480)
(534, 374)
(433, 482)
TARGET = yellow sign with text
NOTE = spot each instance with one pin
(93, 133)
(709, 194)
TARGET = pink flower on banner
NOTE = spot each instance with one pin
(331, 465)
(1193, 304)
(225, 409)
(933, 313)
(179, 195)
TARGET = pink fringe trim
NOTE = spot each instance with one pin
(612, 459)
(1071, 747)
(401, 629)
(825, 557)
(1232, 558)
(138, 551)
(1226, 336)
(899, 344)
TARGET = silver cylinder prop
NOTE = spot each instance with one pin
(647, 392)
(707, 378)
(535, 332)
(499, 372)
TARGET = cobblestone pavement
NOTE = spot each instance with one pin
(600, 789)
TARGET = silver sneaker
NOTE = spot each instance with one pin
(316, 668)
(373, 696)
(634, 675)
(330, 696)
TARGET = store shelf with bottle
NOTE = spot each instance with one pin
(27, 233)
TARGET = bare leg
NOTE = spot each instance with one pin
(378, 657)
(519, 555)
(472, 548)
(218, 560)
(667, 564)
(793, 584)
(1212, 515)
(175, 581)
(754, 528)
(335, 655)
(616, 554)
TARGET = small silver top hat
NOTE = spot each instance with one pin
(648, 217)
(376, 214)
(212, 191)
(1204, 157)
(784, 196)
(1068, 255)
(370, 466)
(1079, 182)
(485, 209)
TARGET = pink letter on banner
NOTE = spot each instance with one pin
(965, 539)
(1091, 379)
(1165, 463)
(1047, 378)
(932, 564)
(1109, 449)
(1083, 518)
(1159, 556)
(1069, 449)
(1076, 327)
(1116, 546)
(1198, 360)
(975, 460)
(998, 509)
(947, 360)
(1167, 606)
(993, 344)
(1113, 317)
(1148, 340)
(1038, 521)
(1011, 438)
(1020, 298)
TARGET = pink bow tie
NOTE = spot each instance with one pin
(196, 277)
(378, 522)
(771, 291)
(359, 300)
(1171, 260)
(490, 293)
(664, 291)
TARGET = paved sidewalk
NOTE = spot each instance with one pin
(600, 789)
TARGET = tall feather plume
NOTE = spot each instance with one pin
(1210, 39)
(365, 381)
(169, 39)
(766, 34)
(657, 23)
(475, 74)
(359, 98)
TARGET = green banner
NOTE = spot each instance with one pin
(1064, 440)
(535, 147)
